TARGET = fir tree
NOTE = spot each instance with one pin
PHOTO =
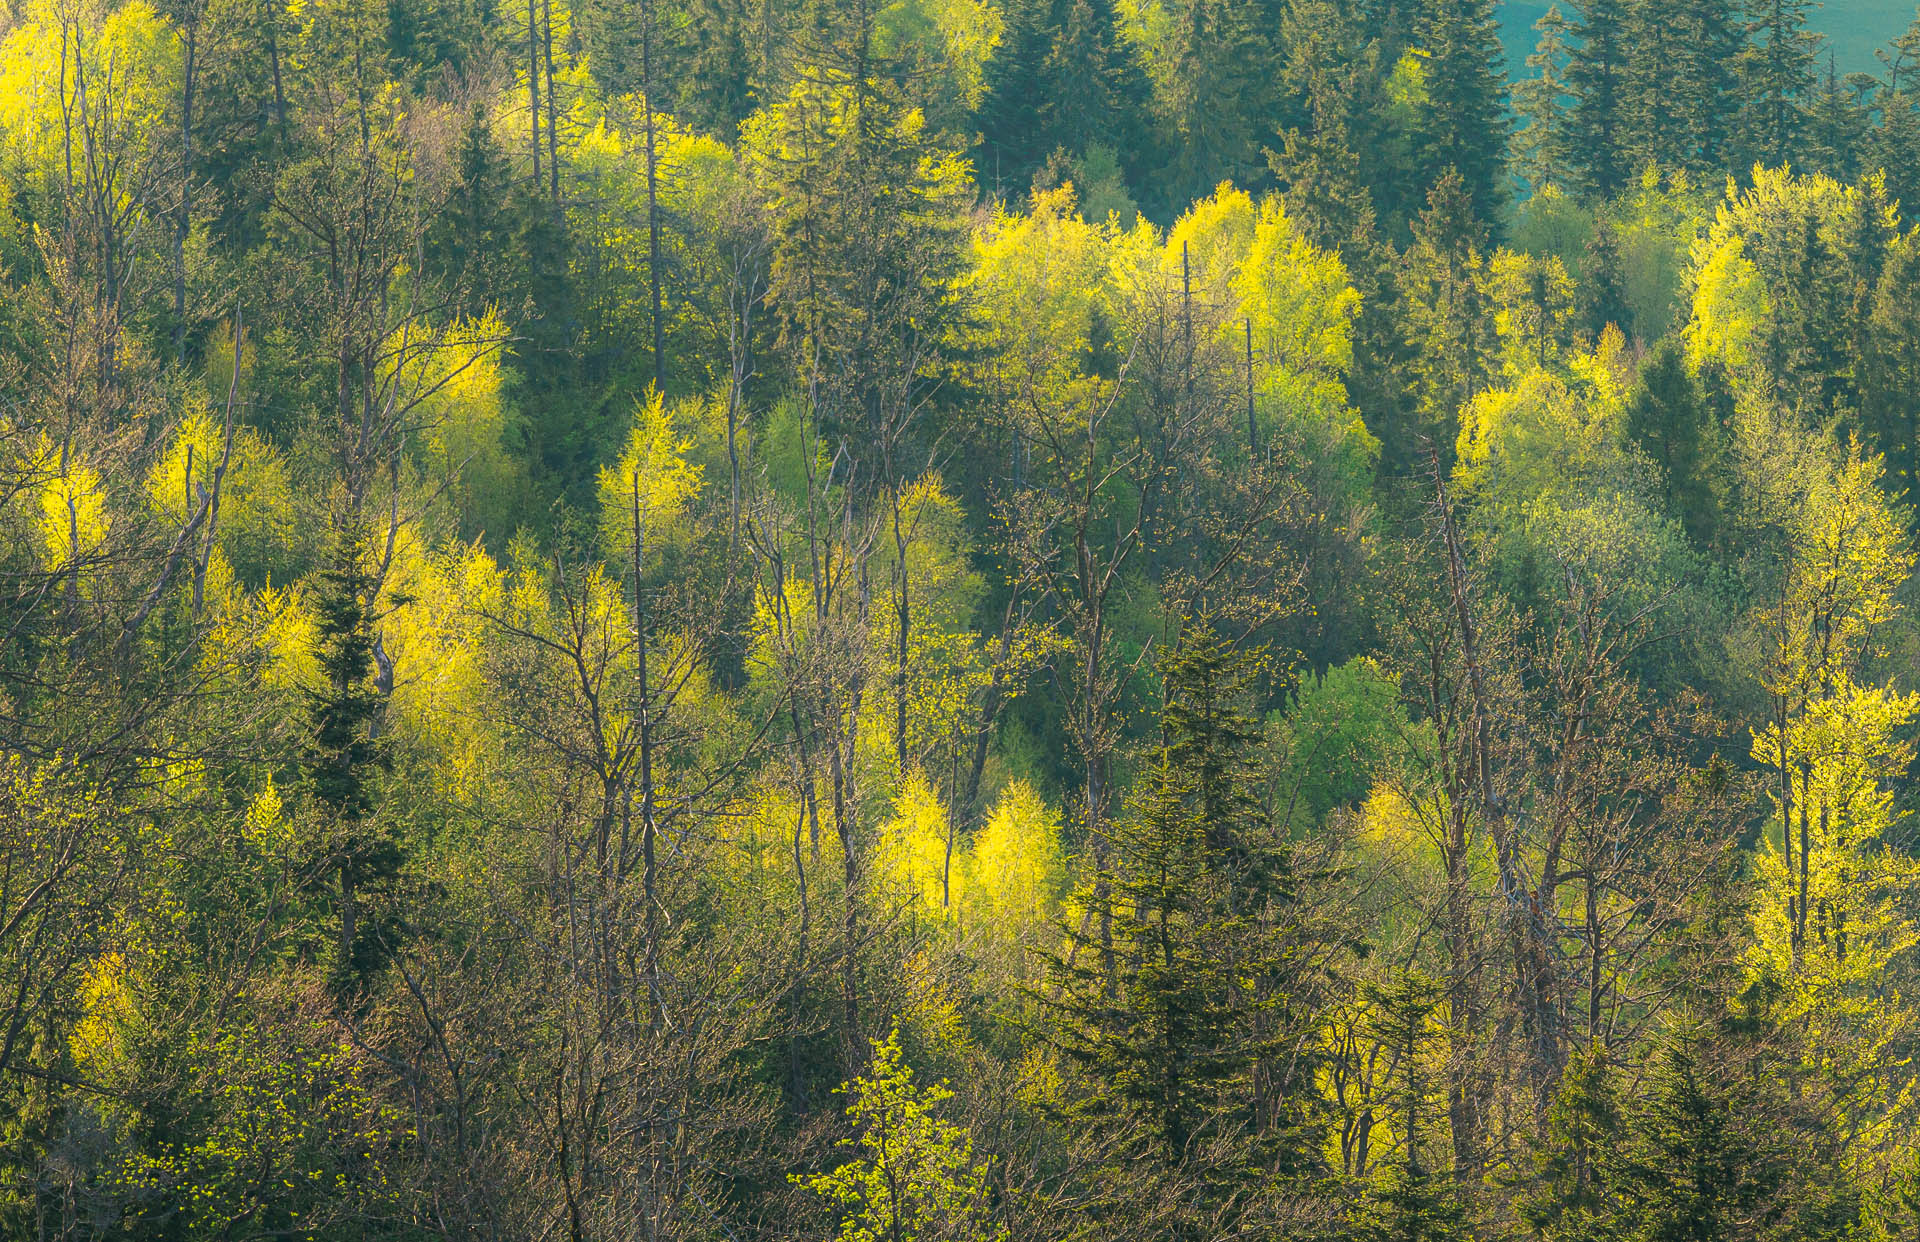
(1837, 122)
(1572, 1197)
(1602, 293)
(1890, 396)
(1193, 878)
(1216, 96)
(1668, 418)
(1412, 1202)
(1446, 315)
(1679, 91)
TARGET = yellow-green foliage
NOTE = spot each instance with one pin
(115, 67)
(1549, 433)
(651, 485)
(913, 1177)
(467, 420)
(73, 517)
(257, 528)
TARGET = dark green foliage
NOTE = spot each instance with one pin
(1447, 317)
(1175, 995)
(1837, 121)
(1597, 86)
(1062, 79)
(1670, 420)
(345, 759)
(1890, 397)
(1539, 101)
(1462, 124)
(1573, 1197)
(1217, 102)
(1777, 74)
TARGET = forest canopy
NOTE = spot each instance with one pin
(957, 621)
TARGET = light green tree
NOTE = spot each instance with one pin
(915, 1178)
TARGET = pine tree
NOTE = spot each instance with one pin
(472, 240)
(1062, 80)
(1707, 77)
(1216, 97)
(1596, 120)
(716, 74)
(1776, 79)
(1462, 124)
(1655, 112)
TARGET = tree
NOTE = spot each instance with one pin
(1890, 398)
(1596, 121)
(344, 758)
(1191, 994)
(1446, 316)
(1412, 1201)
(915, 1178)
(1776, 80)
(1539, 148)
(1462, 124)
(1669, 419)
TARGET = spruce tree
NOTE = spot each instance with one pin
(1539, 147)
(344, 759)
(1602, 298)
(1462, 124)
(1837, 121)
(1572, 1197)
(1189, 994)
(1655, 113)
(1412, 1201)
(1596, 120)
(1890, 389)
(1680, 87)
(1446, 317)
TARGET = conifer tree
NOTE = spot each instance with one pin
(1890, 392)
(1597, 84)
(1837, 122)
(1669, 419)
(1679, 96)
(1412, 1201)
(1776, 81)
(1539, 148)
(1463, 124)
(1446, 315)
(344, 758)
(1573, 1196)
(1602, 292)
(1192, 877)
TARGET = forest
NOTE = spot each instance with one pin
(957, 621)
